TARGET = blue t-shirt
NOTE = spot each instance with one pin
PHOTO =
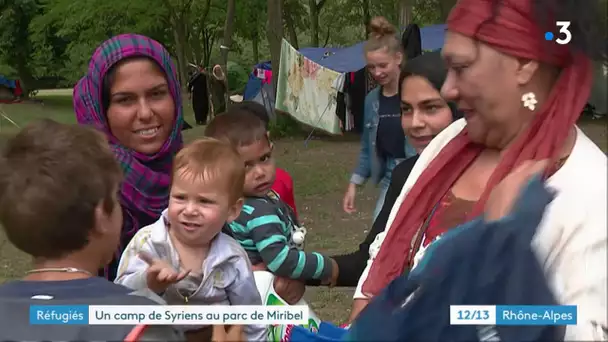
(94, 287)
(390, 140)
(17, 296)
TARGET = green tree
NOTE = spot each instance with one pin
(205, 29)
(314, 9)
(274, 32)
(295, 19)
(86, 24)
(16, 47)
(250, 24)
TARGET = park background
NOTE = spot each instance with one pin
(46, 44)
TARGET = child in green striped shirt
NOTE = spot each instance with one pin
(267, 227)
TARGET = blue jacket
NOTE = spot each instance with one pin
(371, 164)
(477, 263)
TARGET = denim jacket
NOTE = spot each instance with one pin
(371, 164)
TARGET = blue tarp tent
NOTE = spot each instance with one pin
(352, 58)
(258, 91)
(432, 37)
(10, 84)
(349, 59)
(254, 84)
(10, 90)
(318, 54)
(343, 60)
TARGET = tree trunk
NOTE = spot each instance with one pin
(275, 37)
(314, 22)
(291, 28)
(327, 36)
(26, 80)
(197, 35)
(196, 44)
(209, 37)
(180, 27)
(445, 6)
(255, 47)
(366, 17)
(228, 27)
(197, 49)
(405, 13)
(179, 35)
(227, 41)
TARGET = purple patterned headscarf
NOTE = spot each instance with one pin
(144, 193)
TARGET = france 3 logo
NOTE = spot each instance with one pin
(564, 35)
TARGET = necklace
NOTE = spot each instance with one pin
(184, 297)
(60, 269)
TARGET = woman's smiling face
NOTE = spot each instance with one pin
(141, 111)
(424, 113)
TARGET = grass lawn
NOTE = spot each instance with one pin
(320, 171)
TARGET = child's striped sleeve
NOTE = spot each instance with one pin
(269, 234)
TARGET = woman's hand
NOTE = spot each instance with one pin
(503, 196)
(335, 272)
(290, 290)
(348, 203)
(232, 333)
(358, 305)
(259, 267)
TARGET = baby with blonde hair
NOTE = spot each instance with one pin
(184, 256)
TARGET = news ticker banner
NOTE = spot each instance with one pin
(280, 315)
(513, 315)
(167, 314)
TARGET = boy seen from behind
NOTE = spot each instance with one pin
(266, 226)
(184, 257)
(58, 204)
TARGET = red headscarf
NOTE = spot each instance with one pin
(514, 31)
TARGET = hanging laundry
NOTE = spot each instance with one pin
(370, 82)
(308, 91)
(260, 73)
(350, 119)
(267, 77)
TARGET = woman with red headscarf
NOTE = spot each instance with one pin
(521, 95)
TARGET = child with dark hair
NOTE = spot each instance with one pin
(254, 108)
(283, 183)
(267, 227)
(59, 204)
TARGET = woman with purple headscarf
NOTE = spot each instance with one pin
(131, 93)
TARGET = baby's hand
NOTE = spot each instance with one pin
(161, 274)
